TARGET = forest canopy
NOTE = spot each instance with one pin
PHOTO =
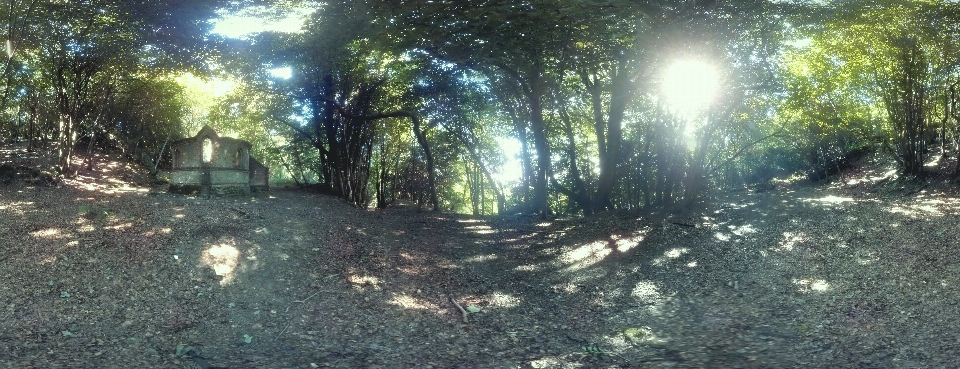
(495, 106)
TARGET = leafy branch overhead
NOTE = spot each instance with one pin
(494, 107)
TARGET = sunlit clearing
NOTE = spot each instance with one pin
(586, 255)
(511, 169)
(811, 285)
(409, 302)
(670, 254)
(281, 73)
(249, 22)
(689, 86)
(223, 259)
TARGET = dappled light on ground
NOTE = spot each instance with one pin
(223, 259)
(481, 258)
(408, 302)
(625, 244)
(17, 207)
(871, 176)
(646, 292)
(811, 285)
(503, 300)
(361, 281)
(926, 205)
(476, 226)
(108, 178)
(480, 229)
(670, 255)
(586, 255)
(790, 240)
(805, 279)
(51, 233)
(742, 230)
(830, 200)
(528, 268)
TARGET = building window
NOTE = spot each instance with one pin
(207, 150)
(238, 158)
(177, 159)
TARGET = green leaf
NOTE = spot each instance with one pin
(634, 333)
(183, 349)
(66, 333)
(247, 338)
(473, 309)
(64, 294)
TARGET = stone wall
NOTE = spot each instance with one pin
(212, 165)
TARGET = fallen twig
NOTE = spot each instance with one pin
(281, 332)
(462, 311)
(314, 294)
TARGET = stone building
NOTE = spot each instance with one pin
(208, 164)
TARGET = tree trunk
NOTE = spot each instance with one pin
(538, 126)
(67, 132)
(425, 146)
(579, 192)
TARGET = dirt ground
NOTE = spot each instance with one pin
(104, 271)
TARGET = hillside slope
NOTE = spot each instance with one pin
(102, 271)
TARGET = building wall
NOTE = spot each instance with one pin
(226, 171)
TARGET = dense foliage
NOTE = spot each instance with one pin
(498, 106)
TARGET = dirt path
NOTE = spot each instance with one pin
(102, 272)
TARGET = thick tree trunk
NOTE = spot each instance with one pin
(538, 126)
(621, 93)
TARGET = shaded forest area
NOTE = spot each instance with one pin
(109, 272)
(495, 107)
(615, 183)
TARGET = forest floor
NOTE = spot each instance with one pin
(105, 271)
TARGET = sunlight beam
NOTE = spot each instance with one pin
(689, 86)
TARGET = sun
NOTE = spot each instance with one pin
(689, 86)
